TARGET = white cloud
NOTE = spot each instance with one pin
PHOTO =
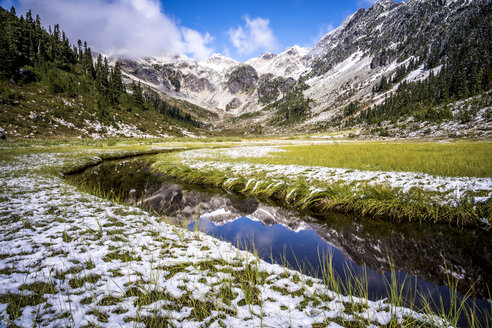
(322, 31)
(255, 35)
(196, 43)
(134, 28)
(366, 2)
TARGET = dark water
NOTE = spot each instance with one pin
(307, 252)
(422, 256)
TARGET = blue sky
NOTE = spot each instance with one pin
(300, 22)
(198, 28)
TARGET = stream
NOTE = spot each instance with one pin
(422, 257)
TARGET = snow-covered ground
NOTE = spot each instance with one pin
(450, 190)
(71, 259)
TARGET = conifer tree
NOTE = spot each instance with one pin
(88, 63)
(80, 54)
(137, 93)
(460, 84)
(100, 75)
(115, 84)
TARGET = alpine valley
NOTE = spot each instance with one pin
(395, 65)
(347, 184)
(403, 69)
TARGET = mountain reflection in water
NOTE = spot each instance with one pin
(305, 250)
(422, 255)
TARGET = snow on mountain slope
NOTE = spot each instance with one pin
(201, 83)
(333, 89)
(373, 43)
(290, 63)
(343, 66)
(219, 63)
(220, 83)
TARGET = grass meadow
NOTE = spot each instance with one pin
(246, 286)
(471, 159)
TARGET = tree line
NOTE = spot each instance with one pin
(458, 67)
(29, 53)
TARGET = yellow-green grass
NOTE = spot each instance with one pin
(17, 142)
(380, 202)
(250, 281)
(32, 111)
(470, 159)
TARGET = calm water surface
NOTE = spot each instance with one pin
(307, 252)
(422, 256)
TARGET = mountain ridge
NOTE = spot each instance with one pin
(344, 66)
(396, 66)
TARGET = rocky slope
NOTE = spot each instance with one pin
(347, 62)
(219, 83)
(344, 66)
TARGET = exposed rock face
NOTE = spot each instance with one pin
(389, 30)
(265, 78)
(164, 76)
(242, 78)
(220, 83)
(268, 91)
(235, 103)
(272, 88)
(267, 56)
(384, 58)
(342, 67)
(373, 43)
(287, 85)
(172, 75)
(148, 75)
(128, 65)
(196, 84)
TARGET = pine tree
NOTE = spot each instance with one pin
(80, 54)
(478, 81)
(29, 17)
(87, 62)
(115, 84)
(461, 88)
(100, 74)
(38, 22)
(105, 79)
(137, 94)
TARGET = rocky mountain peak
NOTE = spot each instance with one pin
(385, 3)
(267, 56)
(296, 51)
(219, 58)
(219, 63)
(344, 66)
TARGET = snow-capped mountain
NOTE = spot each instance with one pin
(290, 63)
(344, 66)
(220, 83)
